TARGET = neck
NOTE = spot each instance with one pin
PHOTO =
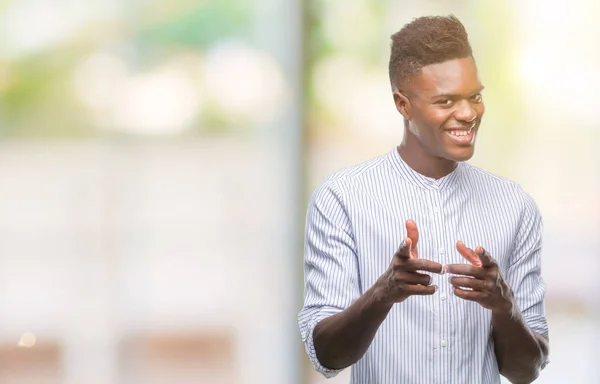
(415, 156)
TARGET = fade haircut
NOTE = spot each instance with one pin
(425, 41)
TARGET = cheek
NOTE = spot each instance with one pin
(436, 118)
(480, 109)
(428, 122)
(428, 130)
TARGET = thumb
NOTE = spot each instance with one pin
(468, 253)
(412, 231)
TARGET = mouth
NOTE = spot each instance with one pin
(462, 136)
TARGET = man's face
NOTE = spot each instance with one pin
(445, 108)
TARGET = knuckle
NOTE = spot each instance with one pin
(499, 278)
(400, 277)
(390, 276)
(402, 255)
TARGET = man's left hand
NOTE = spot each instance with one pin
(483, 277)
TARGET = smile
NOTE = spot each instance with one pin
(459, 133)
(461, 136)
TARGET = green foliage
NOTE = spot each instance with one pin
(201, 25)
(37, 100)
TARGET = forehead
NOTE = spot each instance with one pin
(455, 77)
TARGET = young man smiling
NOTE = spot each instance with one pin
(392, 313)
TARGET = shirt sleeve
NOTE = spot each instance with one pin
(524, 274)
(330, 266)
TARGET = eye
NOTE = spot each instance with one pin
(444, 102)
(477, 98)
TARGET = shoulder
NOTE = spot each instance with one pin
(494, 186)
(336, 192)
(353, 175)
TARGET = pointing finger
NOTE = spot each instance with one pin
(425, 265)
(466, 270)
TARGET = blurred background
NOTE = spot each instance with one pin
(156, 158)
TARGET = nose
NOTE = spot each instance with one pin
(465, 112)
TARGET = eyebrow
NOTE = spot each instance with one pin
(453, 96)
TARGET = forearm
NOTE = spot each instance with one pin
(342, 339)
(520, 352)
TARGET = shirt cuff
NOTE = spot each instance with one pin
(310, 346)
(537, 323)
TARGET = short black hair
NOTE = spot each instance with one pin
(424, 41)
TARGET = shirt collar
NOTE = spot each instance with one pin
(412, 176)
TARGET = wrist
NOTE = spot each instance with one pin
(379, 297)
(506, 310)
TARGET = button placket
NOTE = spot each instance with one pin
(443, 299)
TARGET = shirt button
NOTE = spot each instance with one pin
(441, 251)
(436, 209)
(442, 296)
(443, 343)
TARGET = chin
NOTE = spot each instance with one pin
(463, 154)
(459, 149)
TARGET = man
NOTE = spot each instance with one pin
(462, 299)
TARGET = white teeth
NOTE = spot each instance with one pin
(461, 132)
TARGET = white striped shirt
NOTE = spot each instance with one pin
(355, 223)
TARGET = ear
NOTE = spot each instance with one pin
(402, 104)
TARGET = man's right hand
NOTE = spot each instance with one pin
(342, 339)
(402, 278)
